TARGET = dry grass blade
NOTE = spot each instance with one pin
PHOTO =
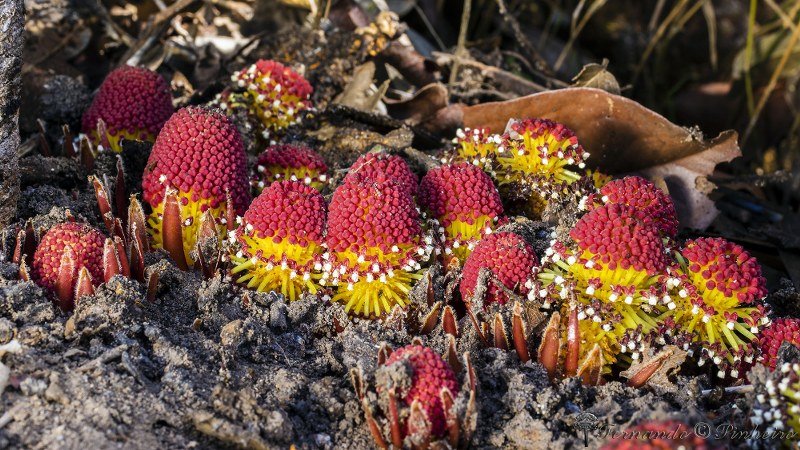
(773, 81)
(577, 27)
(656, 38)
(462, 39)
(711, 22)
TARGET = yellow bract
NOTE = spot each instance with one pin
(282, 266)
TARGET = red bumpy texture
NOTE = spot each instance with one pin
(620, 236)
(772, 337)
(375, 214)
(646, 196)
(430, 374)
(508, 257)
(459, 192)
(85, 241)
(727, 268)
(198, 151)
(132, 99)
(370, 165)
(288, 210)
(292, 156)
(664, 435)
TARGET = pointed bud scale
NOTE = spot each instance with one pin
(81, 246)
(200, 156)
(133, 103)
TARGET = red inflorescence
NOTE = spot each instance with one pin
(663, 435)
(508, 257)
(646, 196)
(617, 235)
(377, 214)
(274, 94)
(725, 268)
(134, 102)
(86, 243)
(199, 152)
(459, 192)
(393, 167)
(430, 374)
(465, 202)
(772, 337)
(290, 162)
(291, 211)
(375, 245)
(281, 240)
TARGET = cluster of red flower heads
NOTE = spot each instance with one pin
(621, 272)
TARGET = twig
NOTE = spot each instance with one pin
(108, 355)
(429, 26)
(8, 416)
(504, 79)
(538, 62)
(462, 38)
(773, 81)
(157, 25)
(576, 28)
(744, 389)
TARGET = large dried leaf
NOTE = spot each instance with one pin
(622, 137)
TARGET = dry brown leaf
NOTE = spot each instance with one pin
(422, 106)
(597, 76)
(622, 137)
(358, 92)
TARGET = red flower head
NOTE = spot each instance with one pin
(536, 153)
(430, 374)
(772, 337)
(271, 92)
(281, 240)
(369, 167)
(374, 240)
(464, 201)
(614, 274)
(645, 196)
(134, 103)
(508, 257)
(200, 155)
(80, 242)
(289, 162)
(720, 289)
(477, 147)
